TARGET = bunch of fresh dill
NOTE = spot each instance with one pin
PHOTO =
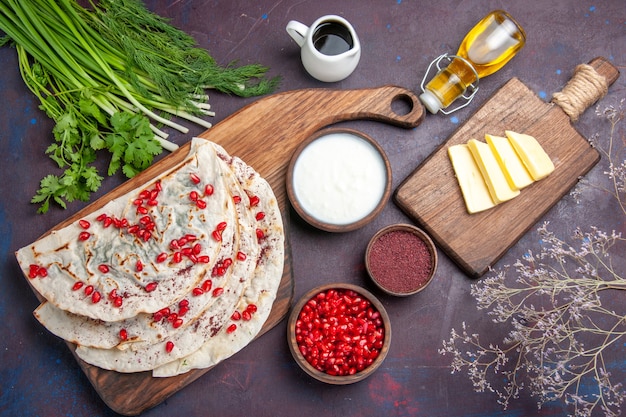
(109, 76)
(560, 326)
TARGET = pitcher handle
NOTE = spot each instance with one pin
(297, 31)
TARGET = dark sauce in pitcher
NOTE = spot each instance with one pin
(332, 38)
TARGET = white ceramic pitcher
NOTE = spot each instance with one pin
(329, 48)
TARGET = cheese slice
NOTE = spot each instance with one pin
(471, 182)
(498, 186)
(532, 154)
(514, 170)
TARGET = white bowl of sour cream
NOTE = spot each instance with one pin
(339, 179)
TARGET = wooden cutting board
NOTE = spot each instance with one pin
(432, 197)
(264, 134)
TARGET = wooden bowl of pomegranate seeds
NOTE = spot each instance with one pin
(338, 180)
(401, 259)
(339, 333)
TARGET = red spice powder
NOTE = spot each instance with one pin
(400, 261)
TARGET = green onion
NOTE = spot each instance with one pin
(110, 76)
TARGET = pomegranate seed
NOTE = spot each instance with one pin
(169, 346)
(221, 226)
(88, 290)
(152, 203)
(201, 204)
(151, 286)
(227, 262)
(33, 270)
(259, 234)
(177, 257)
(165, 311)
(204, 259)
(101, 217)
(153, 195)
(194, 178)
(133, 229)
(231, 328)
(144, 195)
(174, 244)
(208, 189)
(77, 285)
(108, 221)
(206, 285)
(241, 256)
(183, 303)
(246, 315)
(95, 297)
(260, 216)
(113, 294)
(186, 251)
(252, 308)
(138, 202)
(172, 317)
(161, 257)
(254, 201)
(118, 301)
(217, 235)
(103, 268)
(139, 266)
(123, 334)
(183, 310)
(218, 291)
(142, 210)
(193, 196)
(84, 224)
(177, 323)
(236, 199)
(157, 186)
(236, 316)
(197, 248)
(197, 291)
(190, 237)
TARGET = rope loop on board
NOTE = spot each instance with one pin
(585, 88)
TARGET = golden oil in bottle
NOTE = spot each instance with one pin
(484, 50)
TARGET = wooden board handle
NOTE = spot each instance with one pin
(390, 104)
(312, 109)
(589, 83)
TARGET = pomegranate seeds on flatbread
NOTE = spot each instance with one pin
(165, 276)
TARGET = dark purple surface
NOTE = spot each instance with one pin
(39, 376)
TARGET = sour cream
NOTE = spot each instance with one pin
(339, 178)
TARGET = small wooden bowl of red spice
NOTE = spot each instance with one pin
(401, 259)
(339, 333)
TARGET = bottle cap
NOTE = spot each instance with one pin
(430, 101)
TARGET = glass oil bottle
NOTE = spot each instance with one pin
(484, 50)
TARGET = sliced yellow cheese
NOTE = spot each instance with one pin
(498, 186)
(471, 182)
(514, 170)
(532, 154)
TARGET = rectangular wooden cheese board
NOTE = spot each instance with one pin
(431, 195)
